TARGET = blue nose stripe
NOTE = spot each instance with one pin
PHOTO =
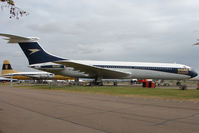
(193, 74)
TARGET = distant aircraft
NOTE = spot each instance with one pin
(98, 70)
(7, 71)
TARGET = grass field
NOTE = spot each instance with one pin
(165, 93)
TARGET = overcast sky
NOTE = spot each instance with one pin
(119, 30)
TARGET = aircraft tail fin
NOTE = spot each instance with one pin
(32, 49)
(6, 68)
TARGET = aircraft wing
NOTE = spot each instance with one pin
(94, 71)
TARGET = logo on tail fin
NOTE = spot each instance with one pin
(6, 66)
(33, 51)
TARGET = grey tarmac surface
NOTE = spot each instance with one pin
(45, 111)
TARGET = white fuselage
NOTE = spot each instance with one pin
(139, 70)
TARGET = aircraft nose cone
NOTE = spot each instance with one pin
(193, 74)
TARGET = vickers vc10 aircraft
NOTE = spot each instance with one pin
(98, 70)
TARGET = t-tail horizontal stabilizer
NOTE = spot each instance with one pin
(32, 49)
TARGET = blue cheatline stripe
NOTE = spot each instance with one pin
(50, 66)
(161, 69)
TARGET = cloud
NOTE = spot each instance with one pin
(152, 31)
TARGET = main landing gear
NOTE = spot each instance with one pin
(97, 82)
(181, 86)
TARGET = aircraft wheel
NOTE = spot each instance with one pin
(115, 83)
(100, 83)
(178, 83)
(183, 87)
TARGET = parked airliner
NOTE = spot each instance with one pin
(7, 71)
(98, 70)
